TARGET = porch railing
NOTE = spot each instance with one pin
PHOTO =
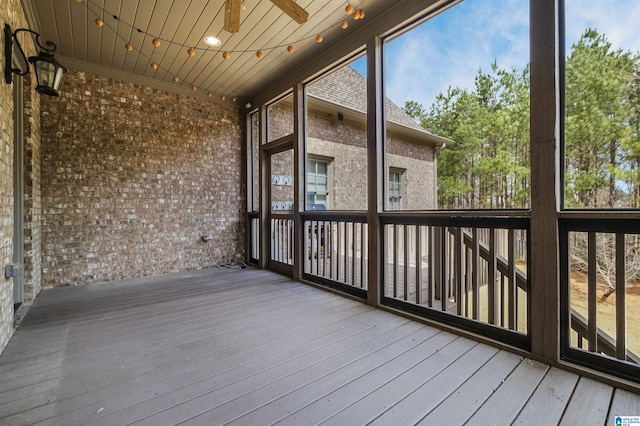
(469, 272)
(335, 250)
(282, 239)
(600, 261)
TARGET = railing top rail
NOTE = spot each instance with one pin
(340, 216)
(621, 224)
(513, 221)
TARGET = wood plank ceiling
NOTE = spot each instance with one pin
(183, 25)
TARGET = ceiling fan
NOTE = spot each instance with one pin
(232, 13)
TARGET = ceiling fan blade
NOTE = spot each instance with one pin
(291, 8)
(232, 15)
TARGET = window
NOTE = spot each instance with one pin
(395, 189)
(317, 184)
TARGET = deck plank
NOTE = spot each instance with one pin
(589, 403)
(253, 347)
(507, 401)
(624, 403)
(549, 401)
(460, 406)
(424, 399)
(345, 384)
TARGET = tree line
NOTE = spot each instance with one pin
(488, 166)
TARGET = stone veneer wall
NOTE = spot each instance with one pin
(132, 179)
(11, 13)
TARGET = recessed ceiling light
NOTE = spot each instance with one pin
(212, 41)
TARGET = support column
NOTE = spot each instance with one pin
(545, 178)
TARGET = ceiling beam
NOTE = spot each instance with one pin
(292, 9)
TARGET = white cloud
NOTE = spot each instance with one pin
(449, 49)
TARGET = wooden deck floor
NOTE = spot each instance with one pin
(250, 347)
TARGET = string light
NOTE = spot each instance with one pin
(191, 51)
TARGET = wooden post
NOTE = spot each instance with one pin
(299, 161)
(545, 183)
(375, 166)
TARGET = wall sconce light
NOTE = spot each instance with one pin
(48, 70)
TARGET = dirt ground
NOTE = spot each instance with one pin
(606, 318)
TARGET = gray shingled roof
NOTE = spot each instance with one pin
(347, 88)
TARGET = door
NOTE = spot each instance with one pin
(281, 198)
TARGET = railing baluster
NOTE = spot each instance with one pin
(513, 296)
(458, 252)
(395, 261)
(353, 253)
(419, 229)
(621, 309)
(406, 261)
(493, 294)
(475, 270)
(431, 277)
(445, 276)
(592, 310)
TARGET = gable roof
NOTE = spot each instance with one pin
(346, 88)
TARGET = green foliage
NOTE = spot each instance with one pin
(488, 166)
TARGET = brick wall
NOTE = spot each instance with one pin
(132, 177)
(11, 13)
(345, 143)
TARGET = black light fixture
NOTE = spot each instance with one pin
(48, 70)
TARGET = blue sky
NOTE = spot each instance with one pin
(449, 49)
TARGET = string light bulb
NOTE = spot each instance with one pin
(226, 55)
(345, 25)
(194, 88)
(234, 99)
(259, 54)
(319, 38)
(290, 48)
(348, 9)
(99, 22)
(155, 42)
(356, 15)
(154, 66)
(223, 98)
(361, 13)
(176, 78)
(191, 52)
(128, 46)
(209, 94)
